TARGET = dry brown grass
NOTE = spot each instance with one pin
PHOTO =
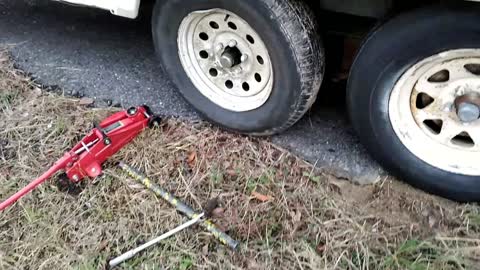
(314, 222)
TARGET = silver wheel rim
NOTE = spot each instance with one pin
(435, 109)
(225, 59)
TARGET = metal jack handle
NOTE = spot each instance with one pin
(55, 168)
(180, 206)
(130, 254)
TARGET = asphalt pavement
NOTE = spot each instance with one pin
(88, 52)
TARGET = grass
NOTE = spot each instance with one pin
(314, 221)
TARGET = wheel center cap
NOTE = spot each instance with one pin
(468, 112)
(468, 107)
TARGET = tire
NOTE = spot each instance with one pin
(288, 31)
(381, 74)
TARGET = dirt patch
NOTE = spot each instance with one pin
(307, 221)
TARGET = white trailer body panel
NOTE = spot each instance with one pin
(124, 8)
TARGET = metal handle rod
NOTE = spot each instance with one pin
(86, 147)
(31, 186)
(130, 254)
(180, 206)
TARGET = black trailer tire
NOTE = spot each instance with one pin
(388, 55)
(288, 30)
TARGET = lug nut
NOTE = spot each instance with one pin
(219, 47)
(244, 58)
(232, 43)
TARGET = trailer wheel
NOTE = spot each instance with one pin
(253, 66)
(414, 99)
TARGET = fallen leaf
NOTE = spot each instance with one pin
(102, 245)
(192, 158)
(218, 212)
(231, 172)
(86, 101)
(261, 197)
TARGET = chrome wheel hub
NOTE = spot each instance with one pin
(225, 59)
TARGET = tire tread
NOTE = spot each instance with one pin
(299, 25)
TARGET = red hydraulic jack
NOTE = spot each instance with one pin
(87, 157)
